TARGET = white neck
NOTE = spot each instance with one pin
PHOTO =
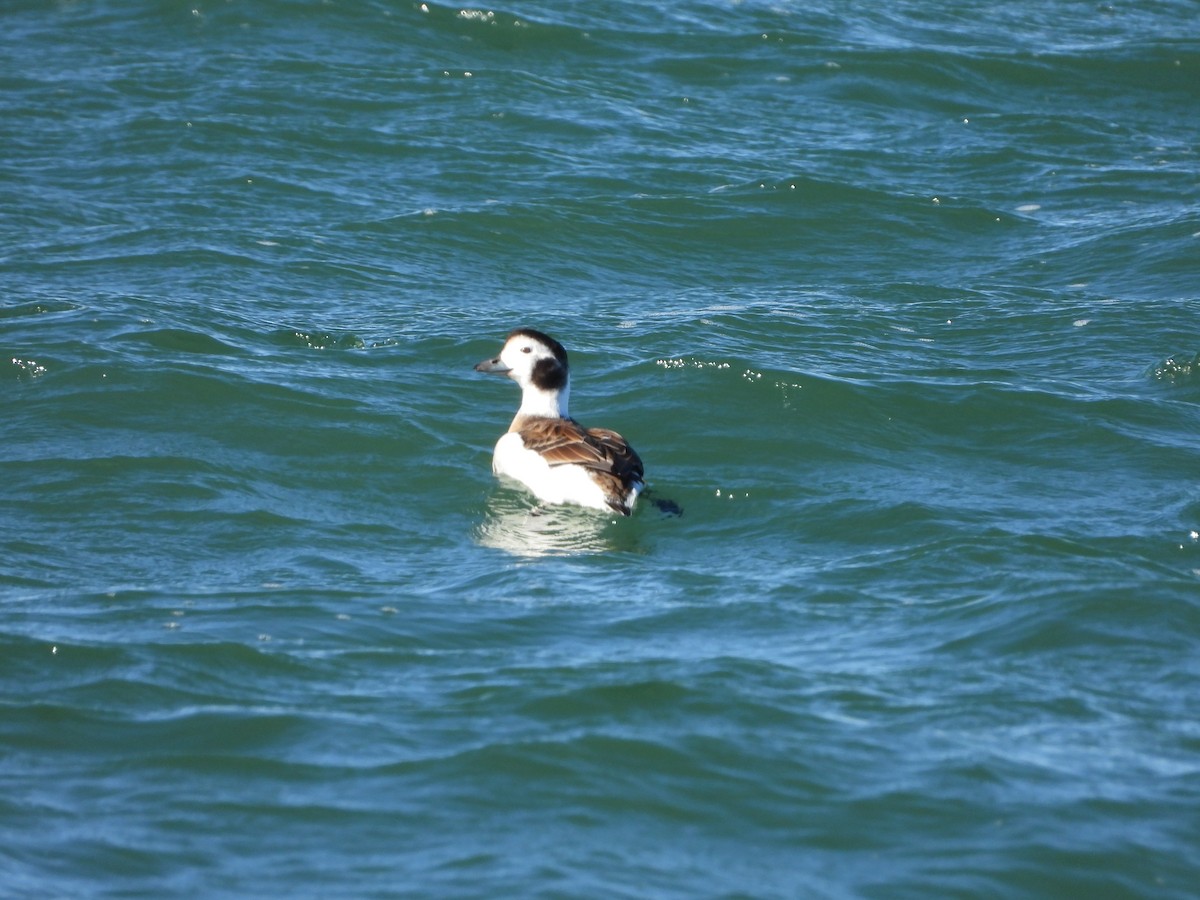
(550, 404)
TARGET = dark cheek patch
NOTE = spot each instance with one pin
(549, 375)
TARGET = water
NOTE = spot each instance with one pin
(898, 303)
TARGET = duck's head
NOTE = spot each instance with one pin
(533, 360)
(538, 363)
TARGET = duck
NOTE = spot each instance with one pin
(545, 449)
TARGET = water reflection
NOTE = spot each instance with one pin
(515, 526)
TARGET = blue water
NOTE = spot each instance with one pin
(899, 303)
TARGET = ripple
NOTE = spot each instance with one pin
(181, 340)
(1178, 369)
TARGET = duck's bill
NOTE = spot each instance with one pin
(493, 366)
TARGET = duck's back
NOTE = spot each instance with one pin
(562, 462)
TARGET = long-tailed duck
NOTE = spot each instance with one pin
(546, 450)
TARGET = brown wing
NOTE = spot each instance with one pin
(565, 441)
(622, 459)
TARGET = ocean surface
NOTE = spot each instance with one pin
(899, 302)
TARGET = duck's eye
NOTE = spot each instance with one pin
(526, 349)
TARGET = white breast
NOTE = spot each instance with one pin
(551, 484)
